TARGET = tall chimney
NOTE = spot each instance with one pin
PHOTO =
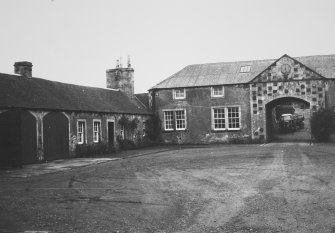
(122, 79)
(23, 68)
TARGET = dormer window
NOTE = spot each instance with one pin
(245, 69)
(179, 93)
(217, 91)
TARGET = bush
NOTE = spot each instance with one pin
(322, 125)
(92, 150)
(126, 144)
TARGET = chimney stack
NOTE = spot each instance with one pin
(23, 68)
(121, 78)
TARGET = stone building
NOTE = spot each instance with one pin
(235, 101)
(44, 120)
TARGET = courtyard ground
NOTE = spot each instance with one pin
(276, 187)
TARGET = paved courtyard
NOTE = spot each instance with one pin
(282, 187)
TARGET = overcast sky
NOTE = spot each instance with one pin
(75, 41)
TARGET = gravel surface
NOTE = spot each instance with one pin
(284, 187)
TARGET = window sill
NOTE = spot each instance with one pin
(224, 130)
(175, 130)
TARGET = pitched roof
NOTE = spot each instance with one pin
(143, 98)
(36, 93)
(226, 73)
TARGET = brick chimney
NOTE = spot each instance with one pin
(23, 68)
(121, 78)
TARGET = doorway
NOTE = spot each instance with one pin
(111, 132)
(288, 120)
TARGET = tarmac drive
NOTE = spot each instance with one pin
(283, 187)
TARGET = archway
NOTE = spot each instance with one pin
(55, 136)
(288, 120)
(10, 139)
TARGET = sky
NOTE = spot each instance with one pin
(76, 41)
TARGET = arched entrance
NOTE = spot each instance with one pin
(10, 139)
(288, 120)
(55, 136)
(18, 138)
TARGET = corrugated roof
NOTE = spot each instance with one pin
(36, 93)
(226, 73)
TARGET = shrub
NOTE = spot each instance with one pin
(126, 144)
(92, 150)
(322, 125)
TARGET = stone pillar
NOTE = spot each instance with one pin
(39, 130)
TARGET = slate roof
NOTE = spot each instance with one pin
(143, 98)
(226, 73)
(35, 93)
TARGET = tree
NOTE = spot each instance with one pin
(322, 125)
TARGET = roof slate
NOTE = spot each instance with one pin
(226, 73)
(36, 93)
(143, 98)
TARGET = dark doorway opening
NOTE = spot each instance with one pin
(288, 120)
(55, 136)
(110, 130)
(10, 139)
(29, 138)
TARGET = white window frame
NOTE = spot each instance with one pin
(174, 120)
(84, 132)
(165, 120)
(245, 69)
(99, 130)
(226, 117)
(175, 91)
(213, 91)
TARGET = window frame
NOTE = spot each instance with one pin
(213, 91)
(226, 118)
(84, 132)
(165, 120)
(99, 130)
(245, 69)
(178, 97)
(174, 120)
(175, 117)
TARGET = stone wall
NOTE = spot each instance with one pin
(73, 117)
(198, 104)
(286, 78)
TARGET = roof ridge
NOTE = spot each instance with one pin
(232, 62)
(48, 80)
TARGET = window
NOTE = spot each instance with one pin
(81, 131)
(219, 118)
(233, 118)
(168, 120)
(96, 130)
(174, 120)
(226, 118)
(217, 91)
(179, 93)
(245, 69)
(180, 120)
